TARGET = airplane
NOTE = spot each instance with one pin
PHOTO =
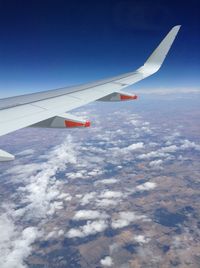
(49, 108)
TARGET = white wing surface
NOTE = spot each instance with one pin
(23, 111)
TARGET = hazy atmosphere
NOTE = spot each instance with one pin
(123, 193)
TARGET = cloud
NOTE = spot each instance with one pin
(87, 198)
(89, 215)
(15, 243)
(162, 152)
(39, 197)
(153, 154)
(156, 163)
(146, 186)
(107, 181)
(91, 228)
(141, 239)
(186, 144)
(110, 194)
(169, 149)
(76, 175)
(107, 202)
(126, 218)
(107, 261)
(134, 146)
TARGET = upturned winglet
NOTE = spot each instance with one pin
(155, 61)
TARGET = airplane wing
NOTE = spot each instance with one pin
(47, 109)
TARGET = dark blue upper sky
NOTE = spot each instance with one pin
(52, 43)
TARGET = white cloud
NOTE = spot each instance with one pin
(107, 202)
(15, 243)
(186, 144)
(91, 228)
(76, 175)
(141, 239)
(134, 146)
(39, 197)
(160, 153)
(107, 261)
(156, 163)
(110, 194)
(126, 218)
(89, 215)
(169, 149)
(87, 198)
(146, 186)
(107, 181)
(153, 154)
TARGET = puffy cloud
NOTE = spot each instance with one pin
(160, 153)
(107, 202)
(89, 215)
(126, 218)
(87, 198)
(141, 239)
(156, 163)
(134, 146)
(186, 144)
(107, 261)
(146, 186)
(15, 243)
(106, 181)
(110, 194)
(55, 233)
(91, 228)
(38, 198)
(169, 149)
(153, 154)
(76, 175)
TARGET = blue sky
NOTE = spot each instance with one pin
(49, 44)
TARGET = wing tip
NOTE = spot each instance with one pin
(176, 28)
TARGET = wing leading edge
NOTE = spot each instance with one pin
(22, 111)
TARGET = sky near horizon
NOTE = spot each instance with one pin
(49, 44)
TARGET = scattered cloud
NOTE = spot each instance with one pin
(91, 228)
(107, 261)
(87, 198)
(110, 194)
(153, 154)
(134, 146)
(107, 181)
(186, 144)
(15, 243)
(107, 202)
(39, 197)
(124, 219)
(156, 163)
(141, 239)
(146, 186)
(89, 215)
(169, 149)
